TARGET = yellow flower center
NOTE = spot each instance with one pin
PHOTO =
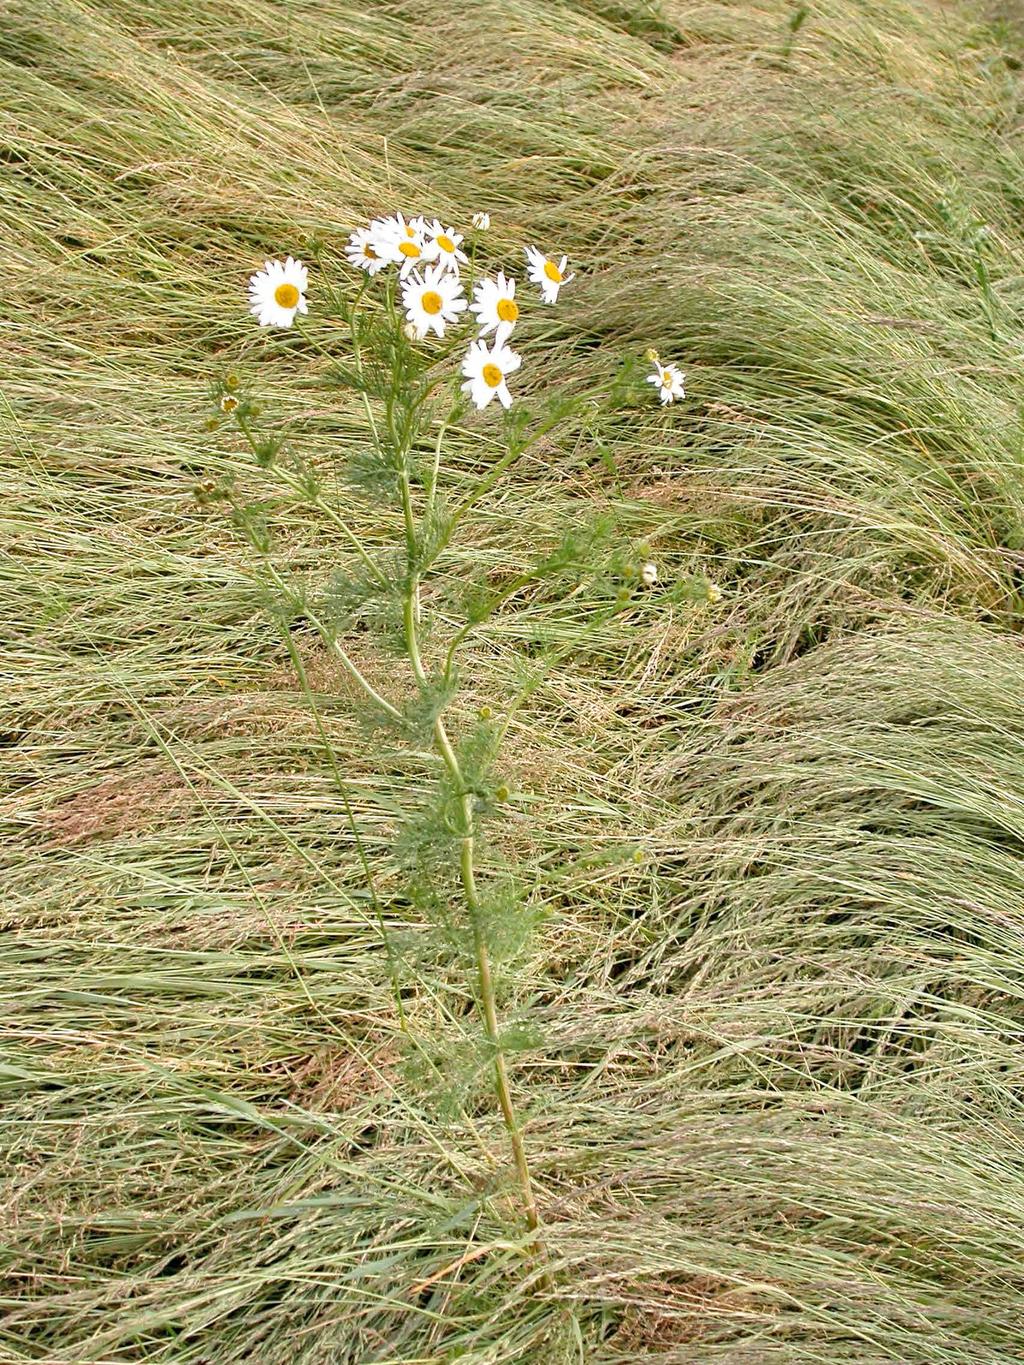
(409, 249)
(666, 379)
(410, 231)
(507, 310)
(445, 243)
(228, 403)
(552, 271)
(286, 295)
(431, 302)
(492, 375)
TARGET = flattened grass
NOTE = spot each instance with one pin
(774, 1109)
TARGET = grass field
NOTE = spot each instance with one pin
(773, 1101)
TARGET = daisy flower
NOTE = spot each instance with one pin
(487, 371)
(403, 243)
(446, 240)
(363, 254)
(395, 226)
(494, 303)
(669, 379)
(649, 574)
(432, 300)
(547, 274)
(276, 293)
(481, 221)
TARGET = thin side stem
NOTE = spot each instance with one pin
(333, 644)
(297, 486)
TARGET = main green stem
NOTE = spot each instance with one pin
(467, 872)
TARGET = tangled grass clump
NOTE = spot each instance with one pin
(764, 815)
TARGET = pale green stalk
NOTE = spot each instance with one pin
(467, 870)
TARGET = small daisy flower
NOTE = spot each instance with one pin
(447, 241)
(547, 274)
(403, 243)
(494, 303)
(487, 371)
(481, 221)
(649, 574)
(669, 381)
(276, 293)
(432, 300)
(363, 254)
(395, 226)
(228, 403)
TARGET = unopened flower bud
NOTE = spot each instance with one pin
(651, 354)
(211, 424)
(484, 713)
(639, 855)
(649, 574)
(481, 221)
(501, 793)
(231, 381)
(714, 592)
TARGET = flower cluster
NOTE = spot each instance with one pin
(428, 259)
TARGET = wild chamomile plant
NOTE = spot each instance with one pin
(414, 292)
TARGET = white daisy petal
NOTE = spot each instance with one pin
(277, 292)
(444, 243)
(486, 370)
(432, 300)
(361, 252)
(403, 243)
(544, 272)
(669, 381)
(494, 303)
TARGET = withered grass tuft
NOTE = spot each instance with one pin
(773, 1099)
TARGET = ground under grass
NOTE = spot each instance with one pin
(773, 1100)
